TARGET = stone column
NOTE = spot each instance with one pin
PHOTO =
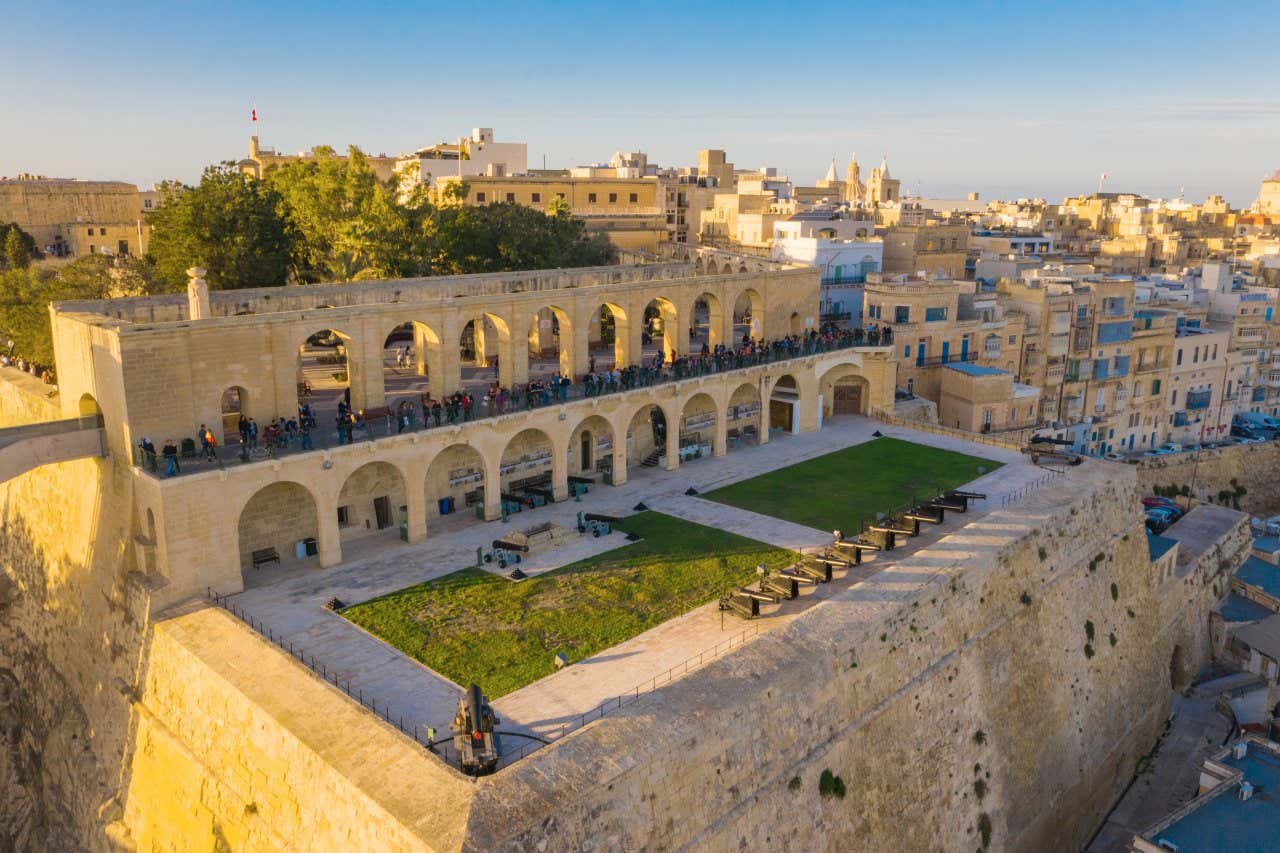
(328, 538)
(479, 341)
(197, 295)
(560, 473)
(720, 437)
(416, 499)
(673, 435)
(492, 488)
(364, 373)
(619, 475)
(765, 391)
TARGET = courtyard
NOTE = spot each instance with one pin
(844, 489)
(473, 626)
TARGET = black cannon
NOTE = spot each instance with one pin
(473, 734)
(787, 588)
(821, 572)
(747, 608)
(761, 595)
(920, 513)
(799, 577)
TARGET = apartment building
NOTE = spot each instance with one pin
(843, 247)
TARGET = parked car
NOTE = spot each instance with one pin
(1158, 451)
(1256, 421)
(1156, 525)
(1155, 502)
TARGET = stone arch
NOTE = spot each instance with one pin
(277, 516)
(742, 415)
(233, 402)
(646, 436)
(845, 391)
(784, 404)
(372, 498)
(711, 315)
(88, 406)
(552, 325)
(661, 320)
(528, 457)
(456, 473)
(609, 334)
(699, 266)
(701, 420)
(424, 348)
(742, 267)
(328, 368)
(590, 446)
(748, 314)
(484, 339)
(796, 325)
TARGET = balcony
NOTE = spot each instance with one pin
(1198, 399)
(1153, 366)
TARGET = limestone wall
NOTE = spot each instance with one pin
(1256, 467)
(24, 399)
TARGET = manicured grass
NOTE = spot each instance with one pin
(842, 489)
(472, 626)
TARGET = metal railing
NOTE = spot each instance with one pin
(1019, 494)
(373, 427)
(442, 748)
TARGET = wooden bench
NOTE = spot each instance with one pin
(263, 556)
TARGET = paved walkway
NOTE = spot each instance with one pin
(292, 607)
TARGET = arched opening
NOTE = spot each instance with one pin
(324, 379)
(279, 525)
(742, 419)
(526, 472)
(706, 325)
(455, 483)
(372, 499)
(660, 330)
(607, 338)
(697, 427)
(484, 352)
(551, 343)
(784, 405)
(412, 362)
(89, 406)
(845, 391)
(796, 326)
(591, 448)
(742, 267)
(234, 406)
(748, 315)
(149, 549)
(647, 437)
(699, 266)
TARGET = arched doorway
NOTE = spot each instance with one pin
(742, 419)
(748, 315)
(660, 329)
(273, 522)
(796, 326)
(698, 427)
(646, 437)
(551, 342)
(485, 353)
(845, 391)
(372, 499)
(455, 482)
(784, 405)
(590, 450)
(89, 406)
(235, 403)
(607, 338)
(526, 474)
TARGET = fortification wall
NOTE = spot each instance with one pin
(952, 695)
(24, 399)
(1256, 467)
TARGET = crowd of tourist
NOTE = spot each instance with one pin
(44, 374)
(464, 405)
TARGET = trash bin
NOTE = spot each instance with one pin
(312, 547)
(480, 511)
(446, 505)
(300, 548)
(404, 531)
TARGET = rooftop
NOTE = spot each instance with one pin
(1258, 572)
(1237, 608)
(977, 369)
(1158, 546)
(1224, 821)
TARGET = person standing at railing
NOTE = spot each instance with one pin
(170, 451)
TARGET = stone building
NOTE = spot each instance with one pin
(70, 218)
(261, 159)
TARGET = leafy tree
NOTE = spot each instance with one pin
(503, 237)
(19, 247)
(349, 222)
(232, 226)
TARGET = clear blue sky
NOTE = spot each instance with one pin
(1009, 99)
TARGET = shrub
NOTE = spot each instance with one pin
(979, 737)
(1025, 598)
(979, 789)
(794, 784)
(1088, 650)
(1115, 592)
(1088, 629)
(830, 785)
(1043, 553)
(984, 829)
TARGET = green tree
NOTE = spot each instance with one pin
(25, 295)
(349, 223)
(504, 237)
(228, 224)
(18, 247)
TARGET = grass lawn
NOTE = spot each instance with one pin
(472, 626)
(840, 490)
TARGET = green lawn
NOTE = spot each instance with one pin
(472, 626)
(840, 490)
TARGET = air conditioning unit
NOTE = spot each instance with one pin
(1239, 749)
(1246, 791)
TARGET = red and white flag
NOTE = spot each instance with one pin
(253, 116)
(1104, 174)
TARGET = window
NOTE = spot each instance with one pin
(147, 204)
(511, 198)
(1195, 355)
(1179, 355)
(902, 314)
(90, 232)
(536, 198)
(1013, 340)
(92, 248)
(633, 198)
(479, 198)
(1215, 352)
(613, 198)
(591, 198)
(1173, 397)
(933, 315)
(906, 351)
(560, 196)
(344, 516)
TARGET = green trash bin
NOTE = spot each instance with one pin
(404, 531)
(480, 511)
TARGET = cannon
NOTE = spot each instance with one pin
(761, 595)
(800, 577)
(473, 734)
(783, 587)
(919, 514)
(819, 571)
(1052, 449)
(747, 608)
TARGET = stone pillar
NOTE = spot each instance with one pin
(715, 323)
(764, 410)
(493, 488)
(480, 341)
(364, 374)
(619, 475)
(622, 351)
(673, 436)
(575, 360)
(559, 473)
(720, 436)
(416, 500)
(197, 295)
(634, 330)
(328, 538)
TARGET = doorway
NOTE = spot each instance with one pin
(382, 512)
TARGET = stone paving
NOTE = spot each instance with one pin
(292, 605)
